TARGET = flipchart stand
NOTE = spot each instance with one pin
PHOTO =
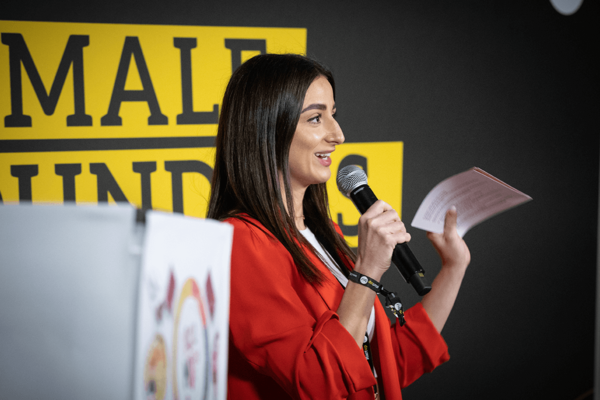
(89, 311)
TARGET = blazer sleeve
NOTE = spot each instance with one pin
(309, 356)
(417, 347)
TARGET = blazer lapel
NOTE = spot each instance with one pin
(331, 291)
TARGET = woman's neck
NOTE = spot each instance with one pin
(298, 200)
(298, 216)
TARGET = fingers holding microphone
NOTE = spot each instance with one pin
(379, 230)
(352, 182)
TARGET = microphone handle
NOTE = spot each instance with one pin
(403, 258)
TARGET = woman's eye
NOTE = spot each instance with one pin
(315, 119)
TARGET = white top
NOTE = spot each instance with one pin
(330, 263)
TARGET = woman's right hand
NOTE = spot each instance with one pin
(379, 230)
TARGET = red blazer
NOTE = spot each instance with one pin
(286, 340)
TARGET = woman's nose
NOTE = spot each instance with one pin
(336, 135)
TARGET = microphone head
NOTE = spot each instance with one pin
(349, 178)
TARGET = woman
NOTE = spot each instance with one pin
(295, 332)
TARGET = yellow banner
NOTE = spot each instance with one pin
(106, 112)
(123, 80)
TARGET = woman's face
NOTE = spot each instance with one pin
(316, 136)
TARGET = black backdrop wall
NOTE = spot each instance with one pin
(508, 86)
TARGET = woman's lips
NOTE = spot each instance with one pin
(324, 158)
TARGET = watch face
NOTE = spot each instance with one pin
(155, 372)
(364, 280)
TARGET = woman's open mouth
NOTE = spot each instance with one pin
(324, 158)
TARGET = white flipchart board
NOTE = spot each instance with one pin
(78, 312)
(68, 290)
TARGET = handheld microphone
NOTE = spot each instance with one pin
(352, 182)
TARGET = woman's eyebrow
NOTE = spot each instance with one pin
(316, 106)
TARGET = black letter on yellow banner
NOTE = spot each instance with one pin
(106, 183)
(145, 169)
(18, 52)
(189, 116)
(177, 168)
(68, 173)
(132, 48)
(24, 173)
(238, 45)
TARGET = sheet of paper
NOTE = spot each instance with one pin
(476, 195)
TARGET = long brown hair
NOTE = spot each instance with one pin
(260, 111)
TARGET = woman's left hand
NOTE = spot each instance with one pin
(450, 246)
(455, 257)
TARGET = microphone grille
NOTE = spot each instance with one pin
(349, 178)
